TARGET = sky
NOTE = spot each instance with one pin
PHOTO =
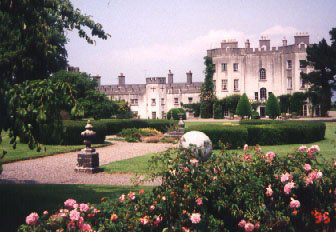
(150, 37)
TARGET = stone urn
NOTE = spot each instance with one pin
(198, 142)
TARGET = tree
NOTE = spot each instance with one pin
(218, 111)
(272, 106)
(207, 95)
(322, 57)
(174, 114)
(244, 107)
(296, 102)
(284, 103)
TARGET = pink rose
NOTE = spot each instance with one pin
(199, 201)
(319, 175)
(247, 157)
(269, 191)
(70, 203)
(307, 167)
(294, 204)
(186, 169)
(308, 180)
(32, 218)
(131, 196)
(288, 187)
(122, 198)
(245, 147)
(84, 208)
(157, 220)
(270, 156)
(194, 162)
(45, 212)
(152, 207)
(242, 223)
(195, 218)
(163, 198)
(302, 148)
(257, 226)
(86, 227)
(144, 220)
(249, 227)
(74, 215)
(285, 177)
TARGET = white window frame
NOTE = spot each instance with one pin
(236, 85)
(224, 67)
(235, 67)
(224, 85)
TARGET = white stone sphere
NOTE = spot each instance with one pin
(198, 142)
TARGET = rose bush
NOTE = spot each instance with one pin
(228, 192)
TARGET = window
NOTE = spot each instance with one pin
(235, 85)
(190, 100)
(214, 83)
(303, 64)
(235, 67)
(262, 74)
(256, 96)
(302, 83)
(289, 64)
(163, 114)
(269, 93)
(153, 115)
(224, 85)
(224, 67)
(162, 101)
(263, 94)
(289, 82)
(134, 102)
(226, 113)
(176, 101)
(214, 67)
(153, 102)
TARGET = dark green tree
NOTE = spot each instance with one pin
(296, 103)
(272, 107)
(174, 114)
(244, 107)
(284, 103)
(218, 111)
(207, 95)
(322, 57)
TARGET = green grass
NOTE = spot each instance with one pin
(22, 151)
(139, 164)
(17, 201)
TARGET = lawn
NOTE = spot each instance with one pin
(22, 151)
(17, 201)
(139, 164)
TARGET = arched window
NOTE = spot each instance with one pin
(263, 93)
(262, 74)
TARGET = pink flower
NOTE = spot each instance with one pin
(75, 206)
(144, 220)
(315, 148)
(270, 156)
(257, 226)
(163, 198)
(269, 191)
(84, 208)
(242, 223)
(74, 215)
(199, 201)
(152, 207)
(307, 167)
(86, 227)
(294, 204)
(131, 196)
(80, 221)
(247, 157)
(308, 180)
(122, 198)
(195, 218)
(302, 148)
(158, 220)
(245, 147)
(186, 169)
(288, 187)
(257, 148)
(45, 212)
(285, 177)
(319, 175)
(32, 218)
(194, 162)
(70, 203)
(249, 227)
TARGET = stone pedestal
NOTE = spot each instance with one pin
(88, 161)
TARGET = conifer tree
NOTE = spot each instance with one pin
(272, 107)
(207, 91)
(244, 107)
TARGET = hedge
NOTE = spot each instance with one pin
(69, 132)
(231, 136)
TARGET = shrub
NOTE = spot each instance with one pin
(272, 107)
(230, 136)
(217, 109)
(230, 103)
(206, 109)
(296, 102)
(174, 113)
(195, 107)
(229, 192)
(244, 107)
(255, 115)
(284, 103)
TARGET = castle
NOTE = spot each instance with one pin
(256, 72)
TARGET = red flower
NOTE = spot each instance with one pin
(326, 218)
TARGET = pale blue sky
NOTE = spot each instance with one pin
(149, 37)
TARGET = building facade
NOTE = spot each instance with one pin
(254, 71)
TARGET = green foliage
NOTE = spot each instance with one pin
(206, 109)
(272, 107)
(207, 90)
(244, 107)
(230, 103)
(130, 134)
(218, 111)
(230, 136)
(195, 107)
(223, 191)
(174, 114)
(284, 103)
(322, 57)
(255, 115)
(123, 110)
(296, 102)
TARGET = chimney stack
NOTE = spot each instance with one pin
(97, 78)
(247, 44)
(121, 79)
(284, 42)
(265, 43)
(189, 78)
(170, 77)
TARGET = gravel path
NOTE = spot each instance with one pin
(59, 169)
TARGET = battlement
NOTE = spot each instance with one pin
(156, 80)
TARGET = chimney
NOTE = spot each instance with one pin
(284, 42)
(97, 78)
(170, 77)
(301, 38)
(189, 78)
(247, 44)
(264, 43)
(121, 79)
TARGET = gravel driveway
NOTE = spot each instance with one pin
(59, 169)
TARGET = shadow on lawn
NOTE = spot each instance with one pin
(18, 200)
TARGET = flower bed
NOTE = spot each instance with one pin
(251, 191)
